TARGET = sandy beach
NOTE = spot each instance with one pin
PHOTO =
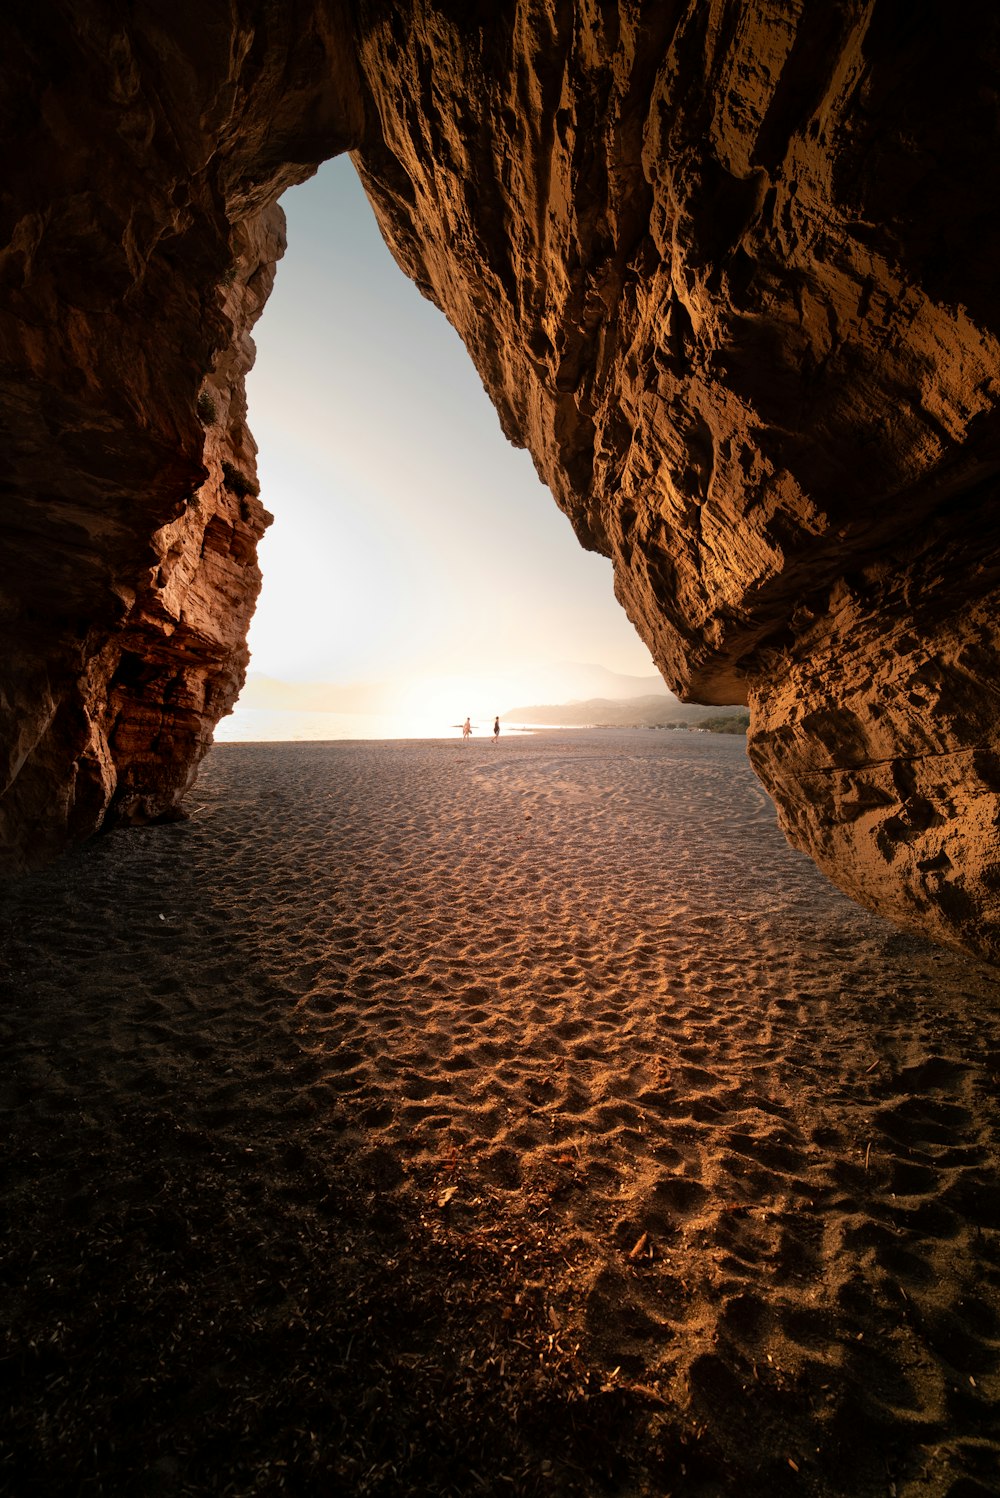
(421, 1118)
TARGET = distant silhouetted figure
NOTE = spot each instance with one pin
(466, 730)
(496, 728)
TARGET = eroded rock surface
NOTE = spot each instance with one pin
(143, 158)
(727, 269)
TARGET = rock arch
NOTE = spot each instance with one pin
(727, 270)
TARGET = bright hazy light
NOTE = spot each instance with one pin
(412, 547)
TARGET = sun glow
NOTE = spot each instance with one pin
(414, 551)
(449, 698)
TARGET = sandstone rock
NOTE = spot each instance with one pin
(726, 269)
(139, 237)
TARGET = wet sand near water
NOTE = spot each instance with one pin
(426, 1118)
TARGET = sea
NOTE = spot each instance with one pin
(270, 725)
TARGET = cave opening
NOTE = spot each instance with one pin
(417, 571)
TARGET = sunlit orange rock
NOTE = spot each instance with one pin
(727, 271)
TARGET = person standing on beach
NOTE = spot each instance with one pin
(496, 728)
(466, 730)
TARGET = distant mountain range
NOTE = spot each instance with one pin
(578, 683)
(649, 711)
(591, 696)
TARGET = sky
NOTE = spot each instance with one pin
(412, 545)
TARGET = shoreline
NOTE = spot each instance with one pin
(307, 728)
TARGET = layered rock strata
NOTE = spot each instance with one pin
(725, 268)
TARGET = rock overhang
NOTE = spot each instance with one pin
(727, 272)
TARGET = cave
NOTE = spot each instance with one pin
(727, 271)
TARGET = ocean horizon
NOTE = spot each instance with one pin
(274, 725)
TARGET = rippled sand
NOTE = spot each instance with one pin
(560, 1028)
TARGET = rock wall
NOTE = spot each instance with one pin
(726, 268)
(138, 238)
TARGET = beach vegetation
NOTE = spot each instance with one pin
(737, 722)
(238, 483)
